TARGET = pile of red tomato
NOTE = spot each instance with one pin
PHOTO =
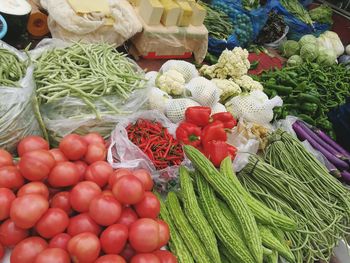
(68, 205)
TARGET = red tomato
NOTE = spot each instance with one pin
(117, 174)
(10, 177)
(105, 210)
(82, 166)
(82, 223)
(145, 177)
(99, 173)
(64, 174)
(145, 258)
(53, 255)
(114, 238)
(107, 193)
(144, 235)
(165, 256)
(26, 210)
(61, 200)
(94, 137)
(2, 251)
(127, 217)
(60, 241)
(110, 259)
(43, 156)
(34, 188)
(149, 207)
(95, 152)
(58, 155)
(27, 250)
(53, 222)
(164, 233)
(6, 198)
(128, 190)
(32, 143)
(5, 158)
(82, 194)
(128, 252)
(10, 234)
(73, 147)
(84, 247)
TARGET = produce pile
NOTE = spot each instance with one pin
(12, 68)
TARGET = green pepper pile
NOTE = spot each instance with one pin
(308, 91)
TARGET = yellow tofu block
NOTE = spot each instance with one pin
(186, 14)
(171, 12)
(151, 11)
(90, 6)
(199, 14)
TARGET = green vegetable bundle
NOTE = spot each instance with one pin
(297, 9)
(12, 68)
(322, 14)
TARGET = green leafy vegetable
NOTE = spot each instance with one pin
(290, 48)
(322, 14)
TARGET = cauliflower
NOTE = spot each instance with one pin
(171, 82)
(248, 84)
(157, 99)
(228, 88)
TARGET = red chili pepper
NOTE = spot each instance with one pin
(198, 115)
(226, 118)
(214, 132)
(189, 134)
(216, 151)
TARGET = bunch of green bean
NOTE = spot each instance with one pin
(12, 69)
(322, 223)
(296, 8)
(86, 71)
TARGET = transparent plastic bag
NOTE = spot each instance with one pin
(203, 91)
(157, 99)
(16, 108)
(188, 70)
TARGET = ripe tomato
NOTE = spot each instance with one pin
(165, 256)
(105, 210)
(110, 259)
(84, 247)
(82, 223)
(145, 258)
(10, 234)
(128, 252)
(82, 194)
(82, 166)
(73, 147)
(144, 235)
(60, 241)
(95, 152)
(128, 190)
(64, 174)
(145, 177)
(43, 156)
(5, 158)
(10, 177)
(127, 217)
(61, 200)
(94, 137)
(99, 173)
(32, 143)
(164, 233)
(53, 222)
(54, 255)
(34, 188)
(114, 238)
(107, 193)
(27, 250)
(26, 210)
(6, 198)
(58, 155)
(2, 251)
(117, 174)
(149, 207)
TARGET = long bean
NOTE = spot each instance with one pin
(12, 69)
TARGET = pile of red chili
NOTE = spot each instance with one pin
(156, 142)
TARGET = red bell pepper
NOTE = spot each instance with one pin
(214, 132)
(226, 118)
(188, 133)
(198, 115)
(216, 152)
(232, 151)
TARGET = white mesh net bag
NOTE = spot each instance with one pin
(157, 99)
(203, 91)
(254, 107)
(175, 109)
(151, 77)
(187, 69)
(218, 107)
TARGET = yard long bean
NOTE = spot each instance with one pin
(12, 69)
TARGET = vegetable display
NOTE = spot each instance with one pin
(296, 8)
(12, 68)
(273, 30)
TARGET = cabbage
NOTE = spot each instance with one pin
(290, 48)
(326, 57)
(307, 39)
(294, 60)
(309, 52)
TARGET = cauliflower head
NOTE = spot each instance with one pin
(228, 89)
(248, 84)
(171, 82)
(157, 99)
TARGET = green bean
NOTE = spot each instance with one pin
(12, 69)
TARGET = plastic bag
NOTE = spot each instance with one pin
(16, 108)
(122, 153)
(65, 24)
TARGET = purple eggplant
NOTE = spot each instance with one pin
(332, 169)
(303, 135)
(345, 175)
